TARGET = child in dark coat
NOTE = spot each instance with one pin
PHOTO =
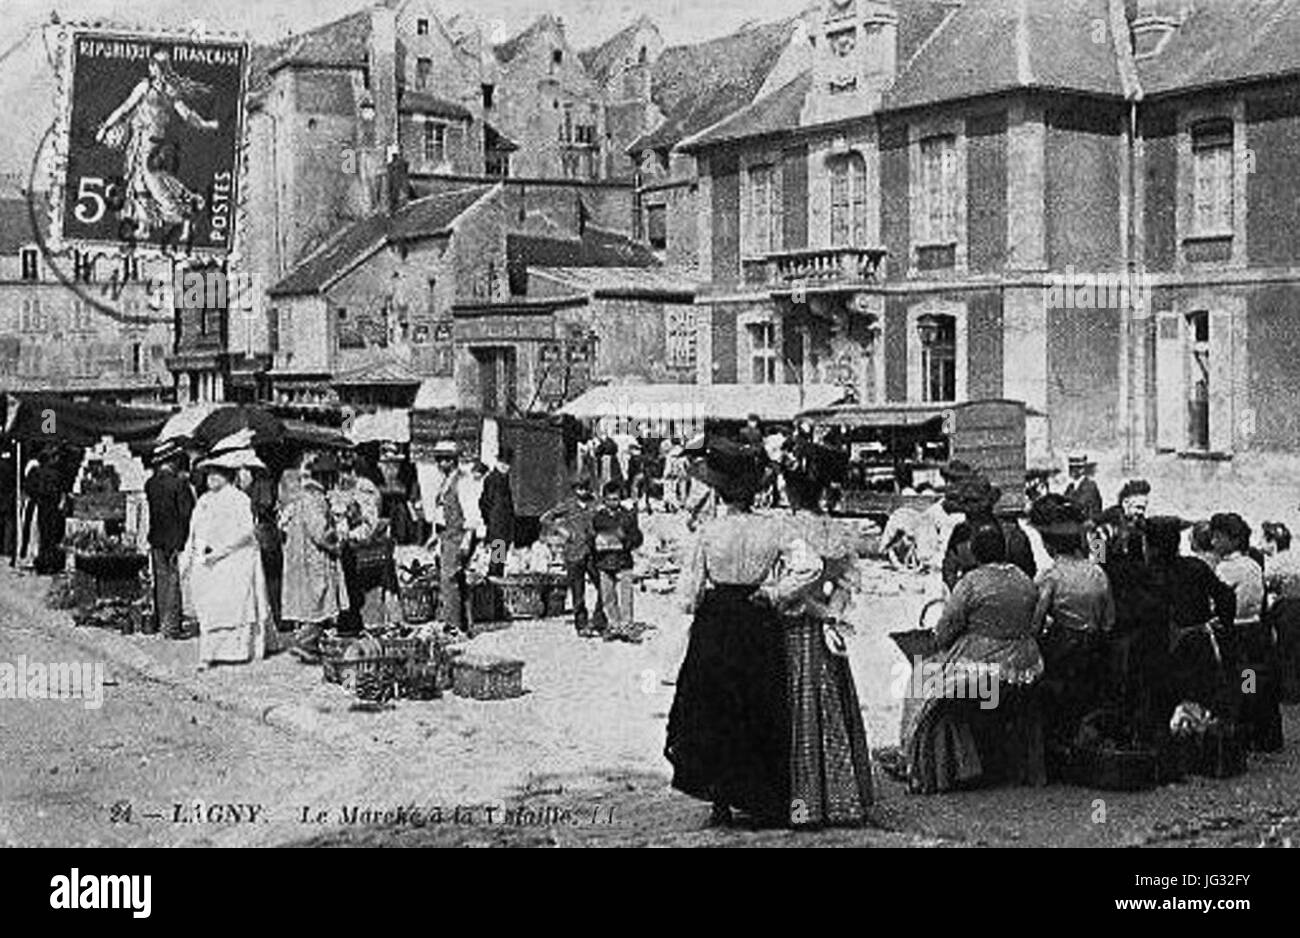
(617, 535)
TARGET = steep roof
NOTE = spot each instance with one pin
(430, 216)
(422, 102)
(343, 42)
(988, 46)
(773, 113)
(596, 247)
(509, 50)
(602, 60)
(698, 85)
(1225, 41)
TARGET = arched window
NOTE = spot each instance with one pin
(848, 200)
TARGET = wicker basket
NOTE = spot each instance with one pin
(487, 677)
(419, 602)
(522, 596)
(111, 566)
(555, 593)
(1112, 769)
(332, 649)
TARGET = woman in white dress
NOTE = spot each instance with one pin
(225, 567)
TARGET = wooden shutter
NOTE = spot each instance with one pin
(1171, 391)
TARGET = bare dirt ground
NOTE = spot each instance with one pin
(576, 761)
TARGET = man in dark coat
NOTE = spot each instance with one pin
(46, 488)
(1082, 490)
(497, 505)
(571, 520)
(171, 503)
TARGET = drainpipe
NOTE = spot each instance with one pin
(1122, 37)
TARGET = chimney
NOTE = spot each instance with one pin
(382, 61)
(397, 182)
(855, 57)
(1153, 22)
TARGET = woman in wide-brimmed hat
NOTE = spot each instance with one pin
(224, 565)
(975, 498)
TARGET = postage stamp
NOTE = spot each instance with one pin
(152, 136)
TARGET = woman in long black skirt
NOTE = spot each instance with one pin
(728, 728)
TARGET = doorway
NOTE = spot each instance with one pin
(498, 373)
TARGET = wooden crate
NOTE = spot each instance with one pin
(487, 677)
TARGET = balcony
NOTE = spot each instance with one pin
(822, 268)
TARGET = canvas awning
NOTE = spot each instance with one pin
(385, 426)
(46, 418)
(885, 415)
(693, 403)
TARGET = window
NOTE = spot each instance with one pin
(566, 125)
(81, 318)
(849, 201)
(762, 351)
(273, 331)
(489, 93)
(137, 358)
(1213, 183)
(938, 358)
(433, 296)
(423, 68)
(763, 222)
(642, 56)
(435, 142)
(422, 27)
(557, 57)
(130, 269)
(286, 331)
(586, 134)
(31, 264)
(1198, 391)
(937, 202)
(657, 226)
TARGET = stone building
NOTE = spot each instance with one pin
(93, 327)
(691, 88)
(1082, 204)
(549, 106)
(623, 68)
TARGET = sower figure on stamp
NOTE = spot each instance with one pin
(155, 198)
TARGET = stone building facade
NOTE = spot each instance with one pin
(1070, 203)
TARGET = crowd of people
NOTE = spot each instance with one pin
(265, 563)
(1103, 639)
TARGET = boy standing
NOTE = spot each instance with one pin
(617, 535)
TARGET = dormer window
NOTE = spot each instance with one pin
(423, 69)
(422, 27)
(31, 264)
(557, 57)
(489, 93)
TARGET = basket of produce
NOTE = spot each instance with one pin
(555, 594)
(417, 591)
(522, 595)
(488, 677)
(332, 649)
(121, 566)
(419, 602)
(371, 675)
(119, 615)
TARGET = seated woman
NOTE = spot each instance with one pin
(986, 650)
(1191, 601)
(1075, 610)
(1282, 584)
(1248, 647)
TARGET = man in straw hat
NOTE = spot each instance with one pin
(1082, 490)
(171, 504)
(453, 537)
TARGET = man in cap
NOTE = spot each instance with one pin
(453, 536)
(571, 521)
(497, 506)
(1082, 490)
(171, 503)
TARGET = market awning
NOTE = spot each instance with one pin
(883, 415)
(56, 419)
(385, 426)
(696, 403)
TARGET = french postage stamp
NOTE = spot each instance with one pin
(152, 133)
